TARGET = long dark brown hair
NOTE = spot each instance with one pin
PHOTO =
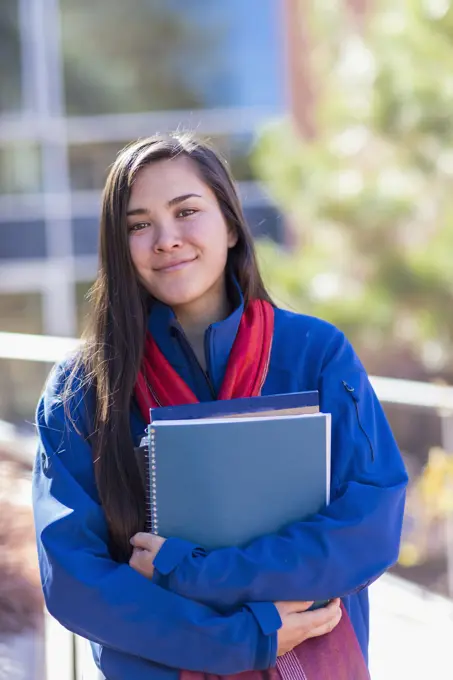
(115, 333)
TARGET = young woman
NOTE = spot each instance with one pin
(179, 293)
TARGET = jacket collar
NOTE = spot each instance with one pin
(219, 339)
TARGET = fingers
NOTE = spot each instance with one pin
(298, 625)
(319, 617)
(327, 628)
(142, 540)
(293, 607)
(147, 541)
(136, 557)
(142, 562)
(330, 622)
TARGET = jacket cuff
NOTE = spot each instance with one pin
(269, 622)
(171, 554)
(267, 616)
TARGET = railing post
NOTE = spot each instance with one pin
(447, 444)
(59, 650)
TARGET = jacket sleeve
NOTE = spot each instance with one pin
(107, 602)
(336, 552)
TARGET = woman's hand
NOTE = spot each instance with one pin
(146, 547)
(300, 624)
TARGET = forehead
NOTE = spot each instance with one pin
(161, 181)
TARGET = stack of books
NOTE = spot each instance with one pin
(224, 473)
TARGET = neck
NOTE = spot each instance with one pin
(197, 316)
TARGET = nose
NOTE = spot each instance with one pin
(167, 238)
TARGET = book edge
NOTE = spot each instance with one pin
(237, 419)
(328, 422)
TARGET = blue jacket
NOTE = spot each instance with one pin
(214, 612)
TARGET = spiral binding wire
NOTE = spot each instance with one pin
(152, 524)
(153, 487)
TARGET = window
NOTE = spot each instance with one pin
(22, 240)
(265, 221)
(10, 58)
(143, 55)
(20, 168)
(89, 164)
(21, 313)
(236, 150)
(85, 235)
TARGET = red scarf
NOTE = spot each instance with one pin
(336, 656)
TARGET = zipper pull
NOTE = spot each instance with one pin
(350, 389)
(355, 399)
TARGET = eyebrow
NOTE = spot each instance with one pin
(171, 203)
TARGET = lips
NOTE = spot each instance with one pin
(175, 266)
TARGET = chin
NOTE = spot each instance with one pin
(178, 298)
(175, 302)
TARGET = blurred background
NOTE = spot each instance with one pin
(336, 119)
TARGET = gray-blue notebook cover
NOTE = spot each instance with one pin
(224, 482)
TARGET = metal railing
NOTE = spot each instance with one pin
(51, 349)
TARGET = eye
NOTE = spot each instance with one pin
(186, 212)
(139, 226)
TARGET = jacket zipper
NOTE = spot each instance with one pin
(351, 391)
(188, 348)
(153, 394)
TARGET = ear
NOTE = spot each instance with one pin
(232, 238)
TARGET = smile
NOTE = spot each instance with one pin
(175, 266)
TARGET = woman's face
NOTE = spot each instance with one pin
(178, 237)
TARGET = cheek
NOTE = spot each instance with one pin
(140, 249)
(211, 236)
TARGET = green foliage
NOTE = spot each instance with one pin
(371, 197)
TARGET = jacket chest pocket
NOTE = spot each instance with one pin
(351, 392)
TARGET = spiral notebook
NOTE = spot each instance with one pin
(224, 481)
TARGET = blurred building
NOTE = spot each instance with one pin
(81, 79)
